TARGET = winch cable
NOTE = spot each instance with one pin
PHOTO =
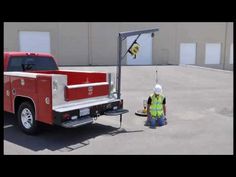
(143, 112)
(131, 45)
(156, 75)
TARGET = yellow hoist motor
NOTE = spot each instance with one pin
(134, 49)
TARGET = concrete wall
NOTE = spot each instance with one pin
(11, 35)
(201, 33)
(104, 43)
(73, 43)
(229, 40)
(96, 43)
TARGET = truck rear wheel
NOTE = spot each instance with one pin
(26, 118)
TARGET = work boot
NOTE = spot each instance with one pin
(153, 127)
(147, 123)
(165, 121)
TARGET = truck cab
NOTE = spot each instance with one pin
(22, 61)
(35, 90)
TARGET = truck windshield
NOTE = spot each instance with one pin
(31, 63)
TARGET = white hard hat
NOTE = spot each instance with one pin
(157, 89)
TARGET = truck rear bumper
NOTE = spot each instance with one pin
(83, 104)
(77, 114)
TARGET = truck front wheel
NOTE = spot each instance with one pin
(26, 118)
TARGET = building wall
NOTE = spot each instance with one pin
(201, 33)
(104, 43)
(229, 41)
(11, 35)
(96, 43)
(73, 48)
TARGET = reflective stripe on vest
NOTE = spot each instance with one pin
(156, 107)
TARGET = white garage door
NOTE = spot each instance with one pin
(231, 53)
(33, 41)
(212, 54)
(187, 53)
(144, 56)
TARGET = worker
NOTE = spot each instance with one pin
(156, 108)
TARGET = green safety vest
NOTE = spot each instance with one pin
(156, 107)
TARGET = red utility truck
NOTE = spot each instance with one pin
(35, 90)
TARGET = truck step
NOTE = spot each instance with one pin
(77, 123)
(116, 112)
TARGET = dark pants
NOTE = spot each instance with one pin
(157, 121)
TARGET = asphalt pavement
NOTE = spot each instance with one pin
(199, 113)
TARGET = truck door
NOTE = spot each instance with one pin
(7, 94)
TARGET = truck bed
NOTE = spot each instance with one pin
(78, 77)
(82, 85)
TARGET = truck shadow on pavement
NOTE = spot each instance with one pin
(55, 138)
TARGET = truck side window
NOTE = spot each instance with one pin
(15, 64)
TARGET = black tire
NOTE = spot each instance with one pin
(26, 118)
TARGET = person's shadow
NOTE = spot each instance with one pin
(55, 138)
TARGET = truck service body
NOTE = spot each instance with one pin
(35, 90)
